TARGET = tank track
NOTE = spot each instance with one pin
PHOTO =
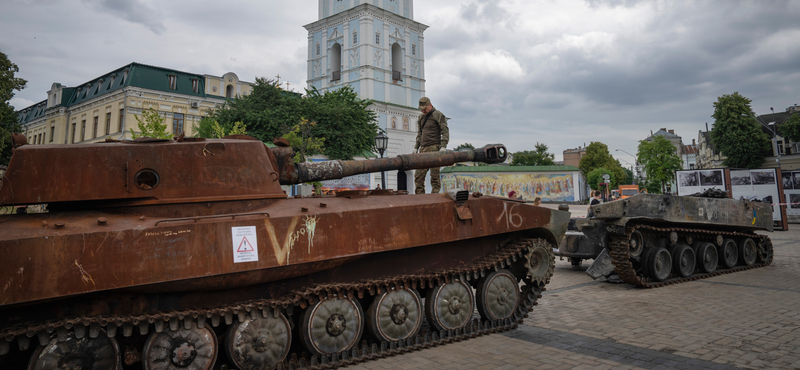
(507, 257)
(625, 269)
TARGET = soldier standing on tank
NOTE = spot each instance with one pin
(432, 136)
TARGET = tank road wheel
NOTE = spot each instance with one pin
(189, 349)
(636, 244)
(497, 295)
(707, 257)
(747, 252)
(259, 344)
(449, 306)
(100, 352)
(395, 315)
(683, 260)
(541, 262)
(332, 326)
(660, 264)
(728, 254)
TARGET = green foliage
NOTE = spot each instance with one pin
(597, 156)
(341, 118)
(791, 128)
(303, 142)
(595, 177)
(464, 146)
(659, 159)
(628, 177)
(538, 157)
(737, 134)
(209, 128)
(652, 186)
(151, 125)
(8, 117)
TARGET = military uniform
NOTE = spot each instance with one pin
(432, 135)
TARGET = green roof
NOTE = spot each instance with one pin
(509, 169)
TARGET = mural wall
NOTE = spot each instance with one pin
(550, 187)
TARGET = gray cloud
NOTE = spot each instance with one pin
(134, 11)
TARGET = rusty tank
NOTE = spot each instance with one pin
(187, 254)
(651, 240)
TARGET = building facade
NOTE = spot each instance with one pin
(378, 49)
(572, 157)
(106, 106)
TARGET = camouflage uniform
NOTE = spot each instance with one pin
(432, 135)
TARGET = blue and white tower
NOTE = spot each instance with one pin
(376, 47)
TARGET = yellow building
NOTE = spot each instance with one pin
(104, 107)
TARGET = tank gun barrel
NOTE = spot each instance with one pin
(337, 169)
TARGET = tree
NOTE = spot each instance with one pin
(737, 134)
(595, 177)
(8, 117)
(652, 186)
(659, 159)
(341, 118)
(209, 128)
(597, 156)
(628, 177)
(303, 142)
(538, 157)
(464, 146)
(791, 128)
(151, 125)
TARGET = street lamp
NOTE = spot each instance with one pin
(774, 134)
(635, 160)
(381, 142)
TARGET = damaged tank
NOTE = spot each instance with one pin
(187, 253)
(651, 240)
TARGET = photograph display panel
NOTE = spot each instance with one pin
(791, 188)
(697, 181)
(762, 187)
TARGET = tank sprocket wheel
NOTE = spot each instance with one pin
(332, 326)
(185, 349)
(497, 295)
(260, 343)
(395, 315)
(541, 261)
(449, 306)
(100, 352)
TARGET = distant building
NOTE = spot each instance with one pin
(689, 156)
(789, 150)
(572, 157)
(105, 106)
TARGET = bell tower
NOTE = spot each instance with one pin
(377, 48)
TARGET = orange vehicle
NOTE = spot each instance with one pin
(626, 191)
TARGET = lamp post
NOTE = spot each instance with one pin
(635, 160)
(774, 135)
(381, 142)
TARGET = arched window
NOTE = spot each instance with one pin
(229, 91)
(397, 62)
(336, 62)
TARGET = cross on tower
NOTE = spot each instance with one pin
(287, 85)
(279, 78)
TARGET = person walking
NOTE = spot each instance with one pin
(432, 136)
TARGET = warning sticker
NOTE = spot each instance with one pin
(245, 244)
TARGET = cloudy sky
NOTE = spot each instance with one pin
(518, 72)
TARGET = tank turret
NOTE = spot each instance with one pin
(191, 170)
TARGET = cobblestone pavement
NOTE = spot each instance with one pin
(747, 320)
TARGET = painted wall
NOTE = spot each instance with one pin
(551, 187)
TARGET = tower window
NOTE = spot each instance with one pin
(413, 49)
(317, 48)
(377, 38)
(355, 37)
(229, 91)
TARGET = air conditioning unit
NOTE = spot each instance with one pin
(195, 104)
(337, 75)
(396, 76)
